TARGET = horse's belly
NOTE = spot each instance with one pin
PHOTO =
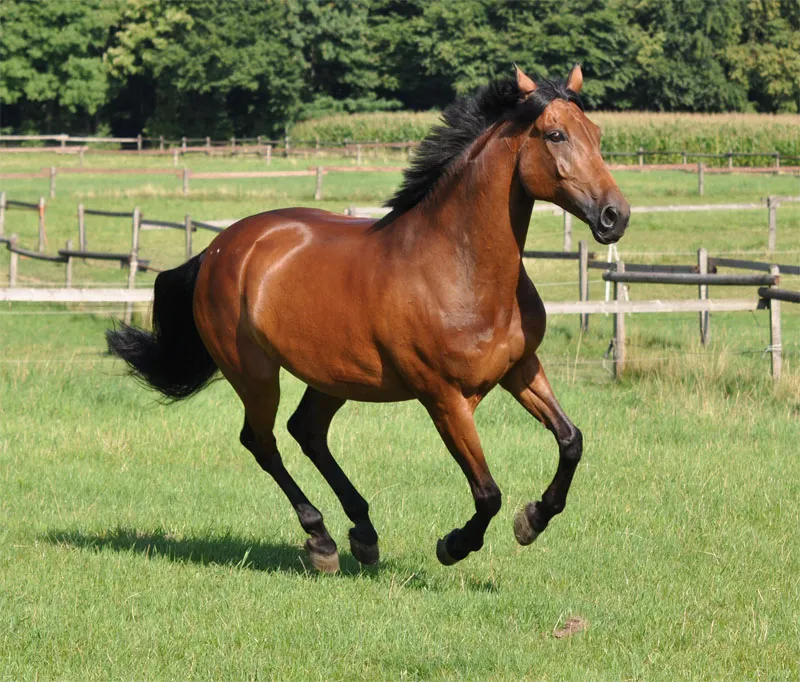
(332, 359)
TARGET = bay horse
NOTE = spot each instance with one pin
(431, 302)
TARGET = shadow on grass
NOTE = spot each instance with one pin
(227, 551)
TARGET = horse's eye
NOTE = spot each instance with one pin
(556, 136)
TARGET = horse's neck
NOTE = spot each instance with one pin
(484, 211)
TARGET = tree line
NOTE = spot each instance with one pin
(246, 67)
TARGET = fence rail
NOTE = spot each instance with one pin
(688, 278)
(234, 145)
(779, 294)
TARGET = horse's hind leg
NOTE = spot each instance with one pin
(528, 384)
(258, 438)
(309, 427)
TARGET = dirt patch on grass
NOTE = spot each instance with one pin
(572, 626)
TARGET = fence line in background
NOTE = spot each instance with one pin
(767, 298)
(258, 144)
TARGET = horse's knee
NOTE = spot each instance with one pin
(571, 446)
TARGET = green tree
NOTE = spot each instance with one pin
(680, 50)
(767, 63)
(52, 75)
(211, 68)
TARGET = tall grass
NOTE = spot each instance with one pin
(622, 131)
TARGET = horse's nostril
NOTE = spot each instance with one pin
(608, 218)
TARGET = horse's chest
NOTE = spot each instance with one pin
(478, 352)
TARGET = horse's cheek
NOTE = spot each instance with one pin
(563, 167)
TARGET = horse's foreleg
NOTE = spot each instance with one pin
(309, 427)
(455, 424)
(528, 384)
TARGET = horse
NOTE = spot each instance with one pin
(431, 302)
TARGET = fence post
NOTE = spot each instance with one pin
(583, 280)
(318, 190)
(777, 159)
(183, 145)
(13, 264)
(174, 157)
(772, 208)
(730, 159)
(133, 261)
(233, 145)
(185, 181)
(567, 231)
(701, 180)
(358, 155)
(68, 273)
(685, 157)
(208, 146)
(2, 214)
(187, 226)
(52, 182)
(139, 142)
(641, 156)
(42, 232)
(64, 141)
(619, 327)
(136, 227)
(81, 228)
(702, 291)
(268, 155)
(161, 143)
(316, 146)
(286, 145)
(80, 155)
(776, 349)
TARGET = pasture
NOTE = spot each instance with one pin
(141, 541)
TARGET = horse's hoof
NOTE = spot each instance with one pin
(324, 563)
(442, 554)
(365, 554)
(523, 530)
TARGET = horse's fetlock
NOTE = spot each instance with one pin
(488, 500)
(310, 517)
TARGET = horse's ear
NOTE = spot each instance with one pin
(525, 83)
(575, 79)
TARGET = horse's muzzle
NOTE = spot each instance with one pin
(611, 221)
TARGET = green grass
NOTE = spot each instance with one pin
(140, 541)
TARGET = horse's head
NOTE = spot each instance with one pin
(560, 161)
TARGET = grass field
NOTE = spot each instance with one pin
(622, 131)
(140, 541)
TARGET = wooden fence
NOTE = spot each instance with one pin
(768, 297)
(68, 254)
(770, 205)
(703, 274)
(258, 144)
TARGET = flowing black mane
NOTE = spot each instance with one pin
(463, 122)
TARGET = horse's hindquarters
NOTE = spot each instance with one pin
(303, 294)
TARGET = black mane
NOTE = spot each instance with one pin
(463, 122)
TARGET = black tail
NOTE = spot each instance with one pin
(172, 359)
